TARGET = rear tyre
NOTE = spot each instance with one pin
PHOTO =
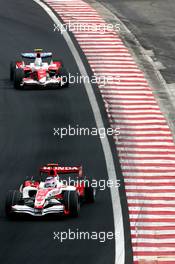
(12, 70)
(13, 198)
(90, 193)
(72, 203)
(18, 77)
(64, 77)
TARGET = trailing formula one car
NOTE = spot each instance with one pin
(39, 72)
(58, 190)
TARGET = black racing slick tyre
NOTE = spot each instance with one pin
(90, 193)
(18, 77)
(13, 198)
(64, 77)
(72, 203)
(12, 70)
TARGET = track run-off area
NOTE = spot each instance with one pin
(145, 145)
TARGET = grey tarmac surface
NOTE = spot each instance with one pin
(27, 119)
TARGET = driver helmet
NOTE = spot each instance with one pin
(50, 182)
(38, 62)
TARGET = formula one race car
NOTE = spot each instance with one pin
(39, 72)
(57, 190)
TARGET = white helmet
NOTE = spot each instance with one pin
(38, 62)
(50, 182)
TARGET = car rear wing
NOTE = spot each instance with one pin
(62, 170)
(34, 55)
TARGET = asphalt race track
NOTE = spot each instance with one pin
(27, 119)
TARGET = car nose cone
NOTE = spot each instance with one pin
(42, 80)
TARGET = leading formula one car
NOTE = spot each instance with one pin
(58, 190)
(39, 72)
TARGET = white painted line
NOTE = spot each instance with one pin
(74, 12)
(150, 202)
(147, 181)
(107, 58)
(138, 187)
(149, 224)
(135, 111)
(102, 47)
(141, 122)
(131, 116)
(92, 43)
(125, 87)
(141, 154)
(142, 161)
(121, 101)
(146, 143)
(115, 65)
(83, 36)
(152, 209)
(114, 69)
(84, 21)
(130, 107)
(130, 96)
(112, 62)
(150, 232)
(124, 92)
(164, 259)
(149, 174)
(106, 54)
(141, 134)
(147, 195)
(149, 216)
(141, 126)
(155, 240)
(137, 167)
(154, 249)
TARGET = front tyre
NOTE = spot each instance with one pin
(13, 198)
(72, 203)
(18, 77)
(64, 77)
(12, 70)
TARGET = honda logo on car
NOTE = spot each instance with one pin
(61, 168)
